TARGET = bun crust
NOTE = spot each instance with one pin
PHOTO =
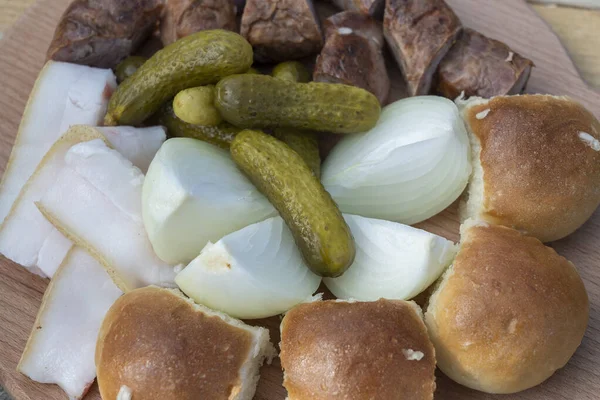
(161, 346)
(540, 156)
(508, 314)
(357, 350)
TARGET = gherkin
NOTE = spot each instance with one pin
(320, 231)
(196, 60)
(261, 101)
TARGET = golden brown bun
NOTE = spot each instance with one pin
(357, 350)
(161, 346)
(508, 314)
(541, 164)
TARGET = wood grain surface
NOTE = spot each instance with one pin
(22, 56)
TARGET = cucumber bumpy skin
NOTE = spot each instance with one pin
(283, 177)
(196, 60)
(221, 135)
(261, 101)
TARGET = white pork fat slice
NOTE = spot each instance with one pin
(26, 237)
(62, 343)
(63, 95)
(96, 202)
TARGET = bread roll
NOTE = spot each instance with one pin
(537, 164)
(508, 313)
(357, 350)
(155, 344)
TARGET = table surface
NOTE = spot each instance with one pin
(579, 30)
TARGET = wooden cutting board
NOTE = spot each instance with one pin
(22, 54)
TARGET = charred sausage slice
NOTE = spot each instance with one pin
(102, 33)
(419, 33)
(352, 54)
(184, 17)
(281, 30)
(481, 66)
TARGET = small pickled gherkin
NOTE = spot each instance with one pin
(260, 101)
(292, 71)
(128, 67)
(196, 106)
(196, 60)
(220, 135)
(285, 179)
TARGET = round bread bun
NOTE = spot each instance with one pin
(508, 313)
(357, 350)
(155, 344)
(536, 163)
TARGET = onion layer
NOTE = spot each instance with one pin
(412, 165)
(194, 194)
(256, 272)
(393, 261)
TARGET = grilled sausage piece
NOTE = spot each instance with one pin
(369, 7)
(281, 30)
(184, 17)
(102, 33)
(483, 67)
(419, 33)
(352, 54)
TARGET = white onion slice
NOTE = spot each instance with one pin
(194, 194)
(412, 165)
(256, 272)
(393, 261)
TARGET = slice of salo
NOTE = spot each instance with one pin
(62, 343)
(63, 95)
(96, 202)
(26, 237)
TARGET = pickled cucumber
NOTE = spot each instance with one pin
(260, 101)
(196, 60)
(220, 135)
(128, 67)
(253, 71)
(292, 71)
(313, 217)
(196, 106)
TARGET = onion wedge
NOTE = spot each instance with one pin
(393, 261)
(412, 165)
(26, 237)
(62, 343)
(96, 203)
(256, 272)
(195, 194)
(63, 95)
